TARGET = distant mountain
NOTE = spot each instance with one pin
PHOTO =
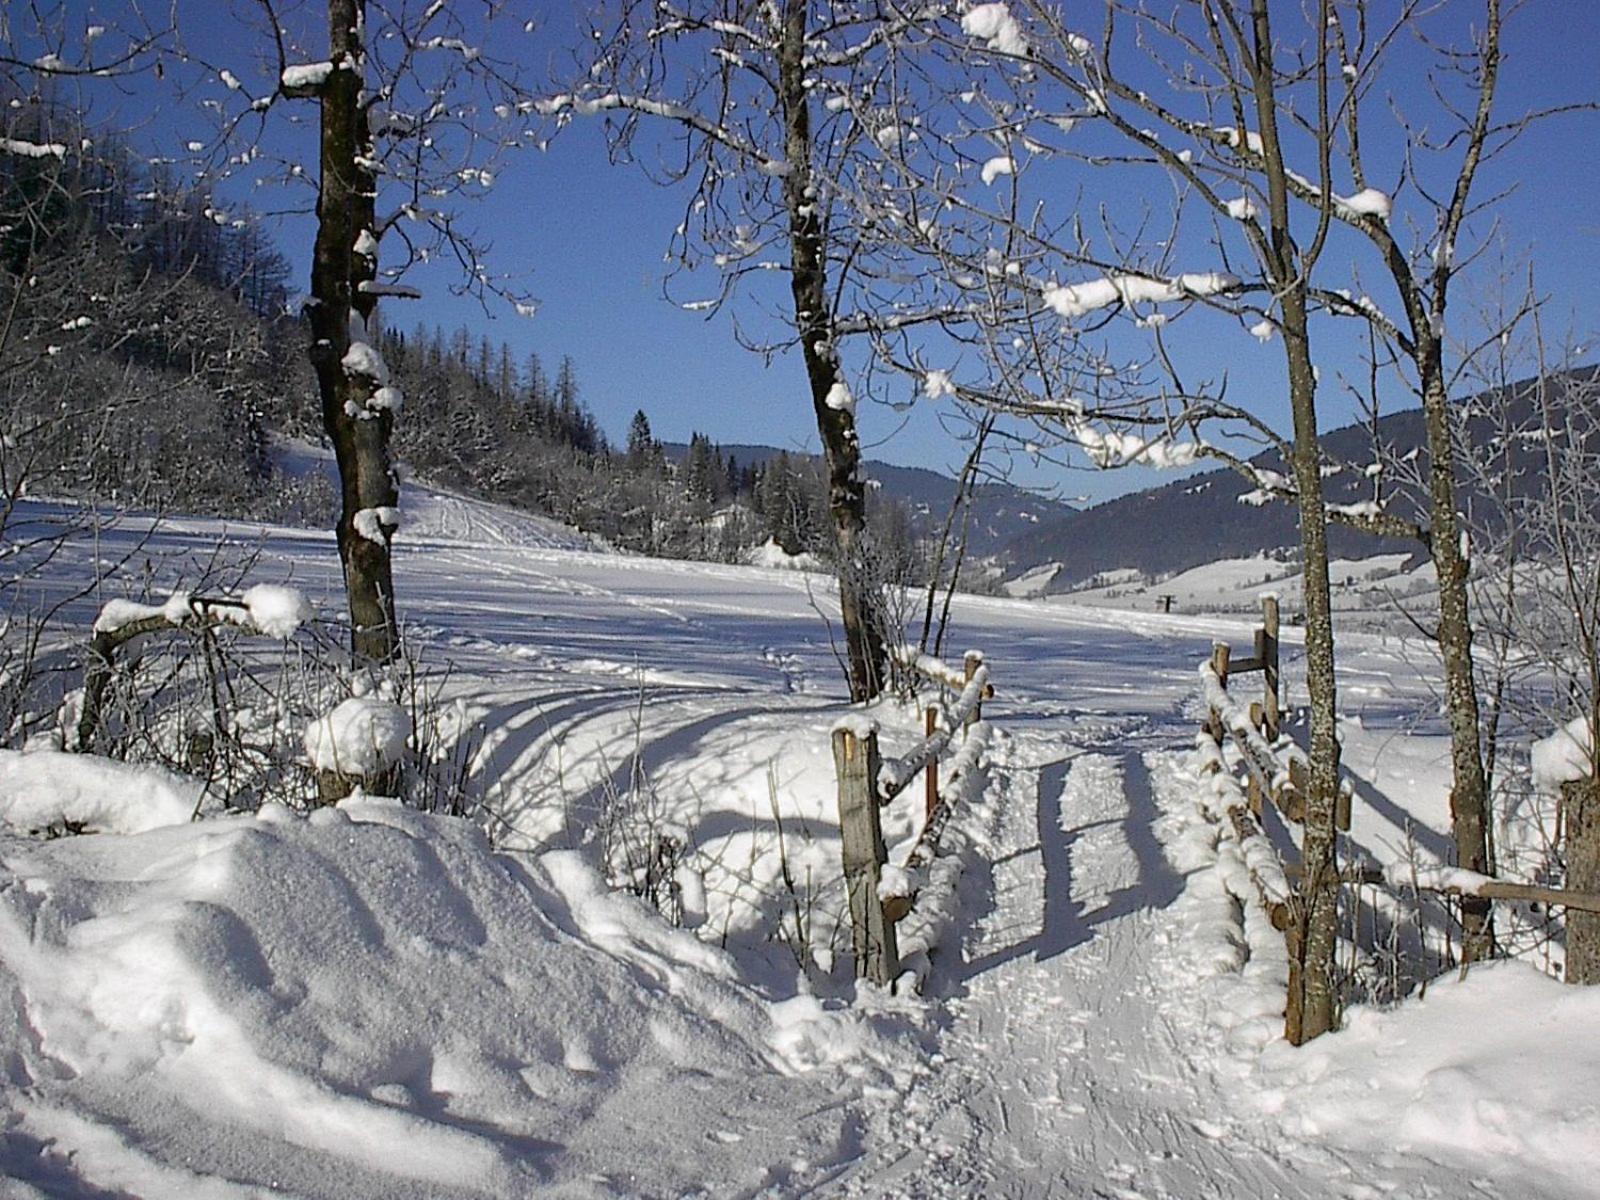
(1201, 518)
(1002, 515)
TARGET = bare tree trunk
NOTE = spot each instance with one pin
(359, 431)
(1580, 818)
(1311, 1008)
(835, 412)
(1469, 799)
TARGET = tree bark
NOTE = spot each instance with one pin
(860, 612)
(1313, 936)
(359, 431)
(1580, 818)
(1469, 793)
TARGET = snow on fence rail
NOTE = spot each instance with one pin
(266, 609)
(1276, 769)
(882, 894)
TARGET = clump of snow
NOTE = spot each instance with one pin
(997, 166)
(994, 25)
(1263, 330)
(277, 611)
(377, 524)
(1566, 756)
(46, 788)
(1242, 209)
(1074, 300)
(362, 359)
(936, 384)
(305, 75)
(839, 398)
(116, 614)
(364, 735)
(24, 149)
(1368, 202)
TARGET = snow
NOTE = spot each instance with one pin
(363, 735)
(1075, 300)
(1368, 202)
(275, 610)
(115, 614)
(936, 384)
(1407, 1083)
(1566, 756)
(1263, 330)
(379, 997)
(305, 75)
(26, 149)
(45, 788)
(361, 359)
(839, 398)
(774, 557)
(997, 166)
(994, 25)
(377, 524)
(1242, 209)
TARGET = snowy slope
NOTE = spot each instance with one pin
(371, 1002)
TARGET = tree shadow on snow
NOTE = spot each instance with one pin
(1066, 923)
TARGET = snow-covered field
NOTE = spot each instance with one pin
(1365, 590)
(374, 1002)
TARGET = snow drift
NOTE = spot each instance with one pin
(371, 996)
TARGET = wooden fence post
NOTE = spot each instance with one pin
(931, 715)
(855, 760)
(1221, 652)
(1580, 816)
(970, 664)
(1267, 652)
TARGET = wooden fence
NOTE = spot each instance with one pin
(1276, 770)
(880, 895)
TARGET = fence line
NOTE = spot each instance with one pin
(1277, 770)
(881, 895)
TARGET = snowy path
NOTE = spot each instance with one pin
(1061, 1071)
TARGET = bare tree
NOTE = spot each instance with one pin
(1046, 291)
(412, 117)
(764, 98)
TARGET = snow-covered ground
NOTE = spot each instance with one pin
(376, 1002)
(1365, 590)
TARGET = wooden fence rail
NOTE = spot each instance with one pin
(1276, 770)
(880, 896)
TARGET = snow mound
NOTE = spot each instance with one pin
(1466, 1073)
(46, 788)
(775, 556)
(362, 736)
(372, 996)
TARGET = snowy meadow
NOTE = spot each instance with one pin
(370, 1000)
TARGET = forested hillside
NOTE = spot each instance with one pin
(154, 344)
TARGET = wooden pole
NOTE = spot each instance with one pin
(970, 664)
(1221, 652)
(1267, 652)
(931, 716)
(855, 760)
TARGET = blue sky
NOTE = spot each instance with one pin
(587, 239)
